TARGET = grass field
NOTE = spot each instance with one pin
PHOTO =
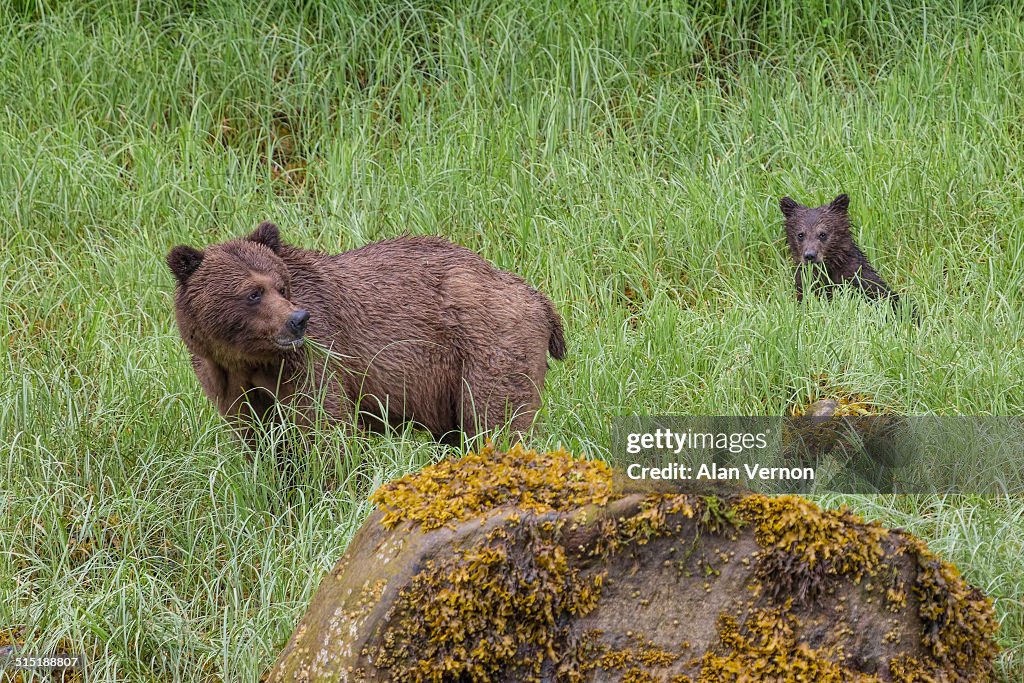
(626, 157)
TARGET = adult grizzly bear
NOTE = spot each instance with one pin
(417, 329)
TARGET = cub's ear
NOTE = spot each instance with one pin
(841, 203)
(788, 206)
(268, 235)
(183, 261)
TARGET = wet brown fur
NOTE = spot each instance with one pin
(821, 237)
(419, 330)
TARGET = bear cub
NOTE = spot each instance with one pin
(820, 238)
(416, 329)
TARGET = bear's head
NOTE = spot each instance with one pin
(814, 234)
(232, 302)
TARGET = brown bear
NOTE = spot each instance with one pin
(412, 329)
(821, 237)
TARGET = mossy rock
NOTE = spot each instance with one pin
(526, 566)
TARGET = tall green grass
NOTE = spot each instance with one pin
(625, 157)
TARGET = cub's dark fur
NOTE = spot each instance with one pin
(419, 330)
(823, 250)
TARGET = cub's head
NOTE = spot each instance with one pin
(231, 302)
(815, 233)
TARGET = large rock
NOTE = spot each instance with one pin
(536, 566)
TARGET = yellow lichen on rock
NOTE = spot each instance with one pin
(505, 605)
(959, 619)
(454, 490)
(849, 403)
(805, 544)
(766, 648)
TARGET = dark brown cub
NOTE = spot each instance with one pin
(824, 252)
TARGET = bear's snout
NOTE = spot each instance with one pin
(297, 322)
(290, 336)
(810, 257)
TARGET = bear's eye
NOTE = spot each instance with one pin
(800, 236)
(822, 236)
(255, 296)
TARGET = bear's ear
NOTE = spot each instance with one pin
(788, 206)
(183, 261)
(840, 203)
(268, 235)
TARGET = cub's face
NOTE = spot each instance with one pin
(812, 233)
(232, 301)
